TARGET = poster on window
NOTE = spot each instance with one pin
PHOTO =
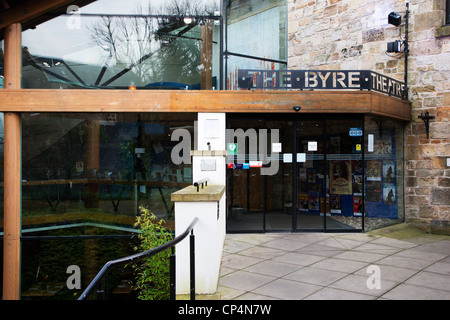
(313, 200)
(357, 184)
(388, 171)
(373, 171)
(335, 203)
(303, 202)
(374, 191)
(357, 206)
(389, 195)
(340, 177)
(383, 146)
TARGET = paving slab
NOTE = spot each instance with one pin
(333, 266)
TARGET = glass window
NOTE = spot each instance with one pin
(384, 204)
(84, 177)
(447, 12)
(256, 36)
(116, 44)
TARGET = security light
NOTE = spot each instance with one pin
(395, 46)
(394, 19)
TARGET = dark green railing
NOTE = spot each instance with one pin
(146, 254)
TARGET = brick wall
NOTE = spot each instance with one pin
(352, 34)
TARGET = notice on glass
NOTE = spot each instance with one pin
(301, 157)
(312, 145)
(370, 142)
(276, 147)
(287, 157)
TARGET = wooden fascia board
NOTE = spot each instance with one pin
(30, 10)
(49, 100)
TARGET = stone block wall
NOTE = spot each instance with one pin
(353, 34)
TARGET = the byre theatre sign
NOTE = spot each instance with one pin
(319, 79)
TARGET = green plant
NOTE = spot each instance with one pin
(152, 274)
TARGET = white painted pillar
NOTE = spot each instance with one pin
(208, 205)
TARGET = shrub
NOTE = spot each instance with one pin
(152, 274)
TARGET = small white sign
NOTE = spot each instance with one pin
(276, 147)
(301, 157)
(312, 145)
(208, 165)
(212, 128)
(370, 142)
(448, 162)
(287, 157)
(255, 164)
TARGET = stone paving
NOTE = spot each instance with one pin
(325, 266)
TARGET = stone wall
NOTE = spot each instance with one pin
(353, 34)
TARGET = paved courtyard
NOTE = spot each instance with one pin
(334, 266)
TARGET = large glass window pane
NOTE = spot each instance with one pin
(255, 37)
(99, 167)
(278, 183)
(245, 191)
(257, 28)
(84, 177)
(117, 44)
(345, 174)
(311, 175)
(384, 173)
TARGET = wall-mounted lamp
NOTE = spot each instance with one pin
(426, 119)
(395, 19)
(296, 108)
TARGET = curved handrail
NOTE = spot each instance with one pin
(136, 256)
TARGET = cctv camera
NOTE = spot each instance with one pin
(296, 108)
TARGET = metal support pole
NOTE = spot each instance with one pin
(172, 275)
(192, 263)
(406, 50)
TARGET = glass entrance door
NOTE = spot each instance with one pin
(329, 174)
(310, 176)
(344, 168)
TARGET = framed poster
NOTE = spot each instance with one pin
(340, 177)
(374, 191)
(373, 170)
(357, 184)
(389, 196)
(388, 171)
(302, 202)
(313, 200)
(335, 203)
(357, 206)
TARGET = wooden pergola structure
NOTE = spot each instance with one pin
(18, 15)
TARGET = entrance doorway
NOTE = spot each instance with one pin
(300, 173)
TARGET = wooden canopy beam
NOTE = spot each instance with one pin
(30, 10)
(49, 100)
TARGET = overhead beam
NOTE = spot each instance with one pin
(30, 10)
(49, 100)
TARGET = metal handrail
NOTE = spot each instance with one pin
(136, 256)
(201, 182)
